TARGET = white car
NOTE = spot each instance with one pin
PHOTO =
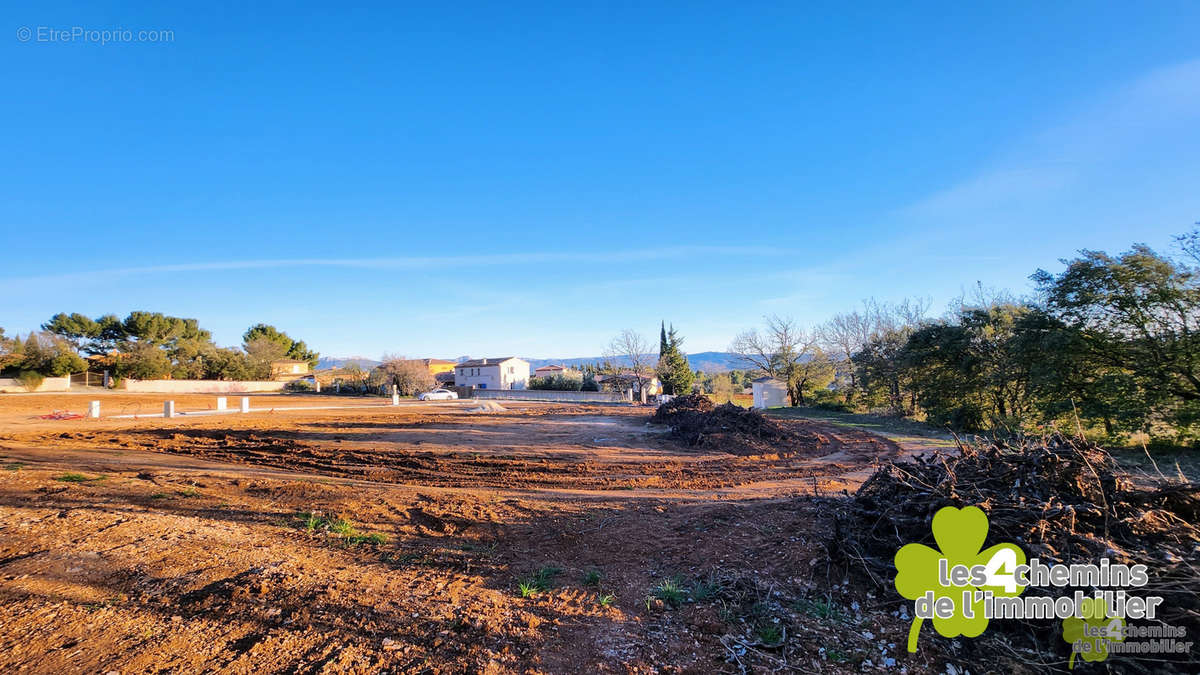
(437, 395)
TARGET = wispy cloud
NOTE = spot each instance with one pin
(413, 262)
(995, 188)
(1061, 156)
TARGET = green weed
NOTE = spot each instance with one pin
(769, 633)
(77, 478)
(836, 655)
(539, 582)
(606, 599)
(342, 528)
(821, 608)
(705, 590)
(670, 591)
(591, 578)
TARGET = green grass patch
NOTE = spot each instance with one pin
(1174, 463)
(77, 478)
(341, 529)
(702, 591)
(538, 582)
(372, 538)
(670, 591)
(820, 608)
(769, 633)
(896, 428)
(14, 466)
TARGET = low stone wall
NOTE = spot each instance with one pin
(10, 386)
(547, 395)
(199, 386)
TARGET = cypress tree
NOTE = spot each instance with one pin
(673, 369)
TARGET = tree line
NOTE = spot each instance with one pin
(145, 346)
(1110, 342)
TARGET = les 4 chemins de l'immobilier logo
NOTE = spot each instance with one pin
(961, 587)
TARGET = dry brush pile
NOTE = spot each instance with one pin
(1061, 500)
(697, 423)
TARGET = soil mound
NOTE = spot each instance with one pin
(734, 429)
(488, 407)
(1061, 500)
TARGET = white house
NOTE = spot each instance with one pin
(507, 372)
(769, 393)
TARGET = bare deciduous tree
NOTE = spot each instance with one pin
(897, 316)
(844, 336)
(411, 376)
(777, 351)
(629, 346)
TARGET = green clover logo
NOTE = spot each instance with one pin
(1093, 632)
(960, 534)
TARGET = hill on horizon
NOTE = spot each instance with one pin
(708, 362)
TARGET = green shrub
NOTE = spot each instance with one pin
(556, 383)
(827, 399)
(299, 385)
(29, 379)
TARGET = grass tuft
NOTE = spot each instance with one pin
(670, 591)
(539, 582)
(821, 608)
(769, 633)
(77, 478)
(342, 528)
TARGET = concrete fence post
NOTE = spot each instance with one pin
(168, 408)
(94, 410)
(395, 398)
(221, 403)
(68, 380)
(317, 385)
(245, 404)
(107, 380)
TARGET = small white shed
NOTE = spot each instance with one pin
(769, 392)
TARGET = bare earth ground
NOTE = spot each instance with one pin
(151, 545)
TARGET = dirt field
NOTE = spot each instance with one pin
(420, 538)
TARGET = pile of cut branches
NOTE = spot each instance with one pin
(730, 428)
(1062, 500)
(681, 405)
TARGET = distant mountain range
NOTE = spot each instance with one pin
(341, 362)
(709, 362)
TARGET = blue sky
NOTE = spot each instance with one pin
(519, 178)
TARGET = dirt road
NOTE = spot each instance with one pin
(542, 538)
